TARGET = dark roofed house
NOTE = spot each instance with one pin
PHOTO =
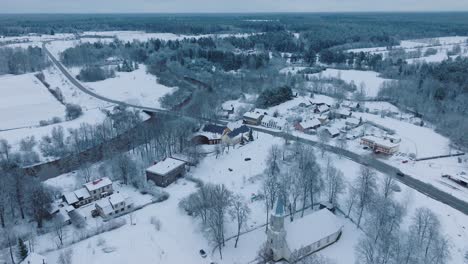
(210, 134)
(234, 137)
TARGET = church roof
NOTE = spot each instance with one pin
(304, 231)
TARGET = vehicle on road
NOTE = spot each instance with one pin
(247, 159)
(400, 173)
(203, 253)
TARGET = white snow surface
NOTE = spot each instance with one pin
(25, 101)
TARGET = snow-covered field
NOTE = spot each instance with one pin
(371, 80)
(442, 45)
(25, 101)
(137, 87)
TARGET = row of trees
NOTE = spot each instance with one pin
(20, 60)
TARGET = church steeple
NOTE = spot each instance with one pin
(276, 232)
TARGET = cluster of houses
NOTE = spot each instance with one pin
(108, 203)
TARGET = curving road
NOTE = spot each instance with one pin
(376, 164)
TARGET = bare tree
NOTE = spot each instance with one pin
(240, 213)
(220, 201)
(5, 148)
(335, 184)
(59, 231)
(84, 172)
(389, 185)
(366, 187)
(65, 256)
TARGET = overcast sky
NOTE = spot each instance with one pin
(197, 6)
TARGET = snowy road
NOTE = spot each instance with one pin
(378, 165)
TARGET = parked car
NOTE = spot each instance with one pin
(365, 148)
(203, 253)
(400, 173)
(405, 161)
(247, 159)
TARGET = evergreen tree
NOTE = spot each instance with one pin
(251, 135)
(22, 249)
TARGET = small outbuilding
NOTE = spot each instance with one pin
(165, 172)
(253, 118)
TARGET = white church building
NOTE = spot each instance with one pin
(303, 236)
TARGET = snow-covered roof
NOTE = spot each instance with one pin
(165, 166)
(323, 108)
(34, 258)
(310, 123)
(352, 121)
(70, 197)
(461, 177)
(304, 231)
(252, 115)
(97, 184)
(342, 111)
(110, 203)
(332, 130)
(82, 193)
(380, 141)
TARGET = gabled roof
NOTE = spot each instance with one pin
(240, 130)
(34, 258)
(332, 130)
(213, 129)
(311, 123)
(253, 115)
(97, 184)
(304, 231)
(165, 166)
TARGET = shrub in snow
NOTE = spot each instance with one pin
(156, 222)
(73, 111)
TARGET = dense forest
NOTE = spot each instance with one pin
(438, 91)
(18, 60)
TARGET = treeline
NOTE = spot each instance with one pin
(19, 60)
(438, 92)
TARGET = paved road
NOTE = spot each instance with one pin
(378, 165)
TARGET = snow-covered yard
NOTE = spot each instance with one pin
(137, 87)
(25, 101)
(370, 79)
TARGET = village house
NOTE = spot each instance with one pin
(323, 119)
(90, 192)
(303, 236)
(210, 135)
(353, 106)
(226, 111)
(380, 145)
(342, 113)
(332, 132)
(114, 205)
(273, 122)
(165, 172)
(320, 109)
(308, 126)
(99, 188)
(252, 118)
(353, 122)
